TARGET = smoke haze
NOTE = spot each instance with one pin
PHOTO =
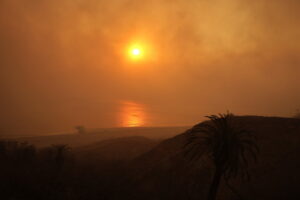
(63, 62)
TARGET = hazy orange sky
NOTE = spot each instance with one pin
(64, 62)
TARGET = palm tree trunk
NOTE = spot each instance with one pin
(215, 184)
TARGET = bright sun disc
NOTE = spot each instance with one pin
(136, 52)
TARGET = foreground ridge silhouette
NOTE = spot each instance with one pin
(135, 167)
(226, 145)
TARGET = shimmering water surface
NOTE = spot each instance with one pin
(132, 114)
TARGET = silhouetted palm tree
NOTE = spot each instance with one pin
(226, 145)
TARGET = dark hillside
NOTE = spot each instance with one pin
(136, 167)
(119, 149)
(275, 176)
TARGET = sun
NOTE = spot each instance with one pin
(136, 52)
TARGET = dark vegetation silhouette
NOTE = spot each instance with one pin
(226, 145)
(30, 173)
(203, 160)
(55, 173)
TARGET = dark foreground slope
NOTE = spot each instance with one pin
(164, 173)
(118, 149)
(137, 168)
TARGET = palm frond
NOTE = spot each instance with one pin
(228, 145)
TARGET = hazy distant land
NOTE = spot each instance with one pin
(75, 139)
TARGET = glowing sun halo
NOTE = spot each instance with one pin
(136, 53)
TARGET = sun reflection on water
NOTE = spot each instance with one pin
(132, 114)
